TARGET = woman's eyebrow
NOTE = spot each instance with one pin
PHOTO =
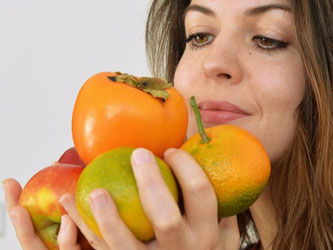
(264, 8)
(199, 8)
(249, 12)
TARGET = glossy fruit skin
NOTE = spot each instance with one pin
(40, 197)
(110, 114)
(236, 164)
(112, 171)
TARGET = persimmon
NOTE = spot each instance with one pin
(114, 109)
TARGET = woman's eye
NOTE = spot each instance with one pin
(267, 43)
(199, 39)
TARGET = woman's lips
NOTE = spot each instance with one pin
(219, 112)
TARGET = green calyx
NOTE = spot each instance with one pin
(151, 85)
(203, 135)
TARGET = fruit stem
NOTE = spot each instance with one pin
(203, 135)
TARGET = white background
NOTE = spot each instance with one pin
(48, 49)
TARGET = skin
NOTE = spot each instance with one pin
(267, 84)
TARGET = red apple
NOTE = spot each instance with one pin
(70, 156)
(41, 194)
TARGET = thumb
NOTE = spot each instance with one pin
(230, 236)
(12, 192)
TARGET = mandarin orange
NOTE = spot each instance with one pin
(112, 171)
(235, 162)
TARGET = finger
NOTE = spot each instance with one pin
(112, 227)
(229, 233)
(67, 237)
(156, 198)
(12, 192)
(25, 232)
(68, 202)
(198, 193)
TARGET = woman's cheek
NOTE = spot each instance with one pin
(277, 141)
(184, 78)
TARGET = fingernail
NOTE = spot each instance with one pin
(13, 218)
(98, 199)
(141, 156)
(64, 223)
(169, 151)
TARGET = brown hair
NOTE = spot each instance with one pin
(302, 182)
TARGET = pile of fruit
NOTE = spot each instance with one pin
(115, 113)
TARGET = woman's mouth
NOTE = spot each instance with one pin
(219, 111)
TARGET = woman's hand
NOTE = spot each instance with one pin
(22, 223)
(198, 228)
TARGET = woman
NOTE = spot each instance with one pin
(263, 65)
(300, 188)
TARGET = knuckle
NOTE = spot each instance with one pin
(169, 225)
(147, 181)
(109, 226)
(213, 241)
(106, 225)
(199, 186)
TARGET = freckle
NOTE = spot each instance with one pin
(250, 53)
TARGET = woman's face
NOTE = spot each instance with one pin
(242, 64)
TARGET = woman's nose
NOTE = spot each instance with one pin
(222, 62)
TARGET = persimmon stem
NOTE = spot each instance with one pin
(203, 135)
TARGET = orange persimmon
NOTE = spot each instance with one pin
(109, 114)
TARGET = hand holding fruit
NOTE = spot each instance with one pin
(35, 211)
(42, 201)
(227, 161)
(197, 229)
(124, 223)
(114, 110)
(234, 160)
(237, 177)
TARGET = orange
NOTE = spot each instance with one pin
(236, 164)
(112, 171)
(109, 114)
